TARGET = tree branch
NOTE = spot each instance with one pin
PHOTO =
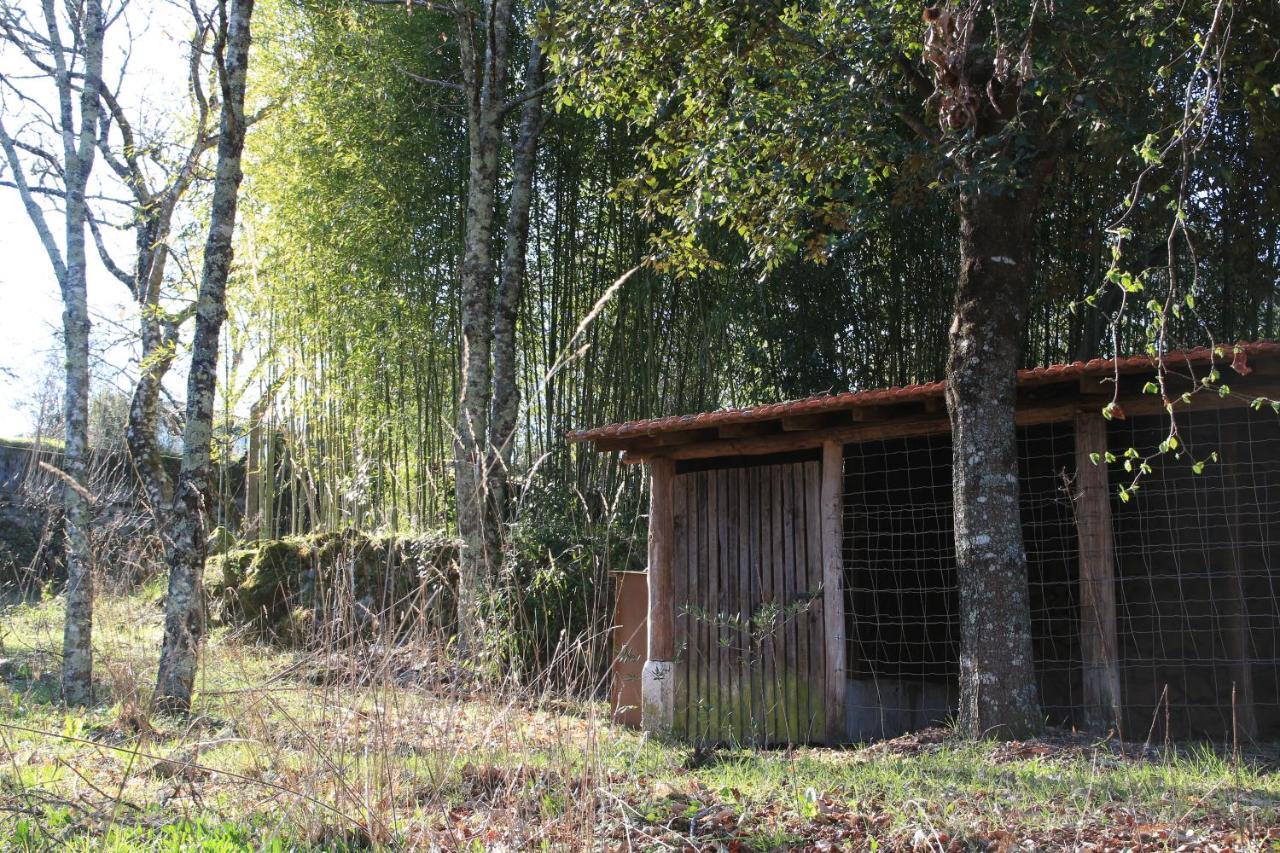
(34, 213)
(445, 84)
(105, 256)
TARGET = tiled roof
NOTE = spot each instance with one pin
(1237, 356)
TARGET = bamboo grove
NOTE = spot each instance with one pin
(347, 291)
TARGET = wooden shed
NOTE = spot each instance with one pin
(801, 582)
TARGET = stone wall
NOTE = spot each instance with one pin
(122, 546)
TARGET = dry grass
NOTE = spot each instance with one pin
(387, 746)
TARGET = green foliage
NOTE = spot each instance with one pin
(719, 141)
(556, 593)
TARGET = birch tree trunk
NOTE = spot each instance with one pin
(184, 623)
(506, 388)
(77, 636)
(75, 69)
(998, 694)
(484, 72)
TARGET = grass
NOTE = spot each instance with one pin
(291, 752)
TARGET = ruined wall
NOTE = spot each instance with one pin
(120, 538)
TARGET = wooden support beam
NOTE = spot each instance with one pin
(1099, 652)
(749, 429)
(832, 499)
(822, 420)
(657, 699)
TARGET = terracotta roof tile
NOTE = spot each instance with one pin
(1237, 356)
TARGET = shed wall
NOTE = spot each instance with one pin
(1196, 591)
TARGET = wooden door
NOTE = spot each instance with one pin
(750, 644)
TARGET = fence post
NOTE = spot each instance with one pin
(833, 587)
(1097, 576)
(657, 685)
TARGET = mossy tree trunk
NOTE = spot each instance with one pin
(184, 608)
(997, 680)
(506, 380)
(74, 68)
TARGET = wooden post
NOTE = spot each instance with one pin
(657, 691)
(833, 587)
(1097, 576)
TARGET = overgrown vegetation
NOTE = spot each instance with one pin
(374, 743)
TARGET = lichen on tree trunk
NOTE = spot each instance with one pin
(77, 647)
(506, 387)
(184, 612)
(998, 695)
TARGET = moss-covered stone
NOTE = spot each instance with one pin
(289, 588)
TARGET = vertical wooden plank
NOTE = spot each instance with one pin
(818, 619)
(698, 709)
(810, 569)
(818, 646)
(712, 605)
(734, 533)
(780, 644)
(1097, 576)
(741, 691)
(789, 596)
(724, 646)
(755, 661)
(768, 669)
(723, 656)
(833, 588)
(680, 568)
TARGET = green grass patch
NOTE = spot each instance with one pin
(276, 758)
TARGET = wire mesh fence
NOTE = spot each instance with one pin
(1197, 613)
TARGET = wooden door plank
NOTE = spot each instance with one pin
(755, 661)
(780, 644)
(724, 645)
(817, 612)
(698, 598)
(791, 636)
(681, 570)
(768, 646)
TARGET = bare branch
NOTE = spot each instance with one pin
(444, 84)
(34, 212)
(105, 256)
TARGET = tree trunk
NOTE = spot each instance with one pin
(484, 80)
(184, 607)
(506, 389)
(998, 694)
(158, 350)
(77, 647)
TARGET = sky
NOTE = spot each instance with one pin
(30, 305)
